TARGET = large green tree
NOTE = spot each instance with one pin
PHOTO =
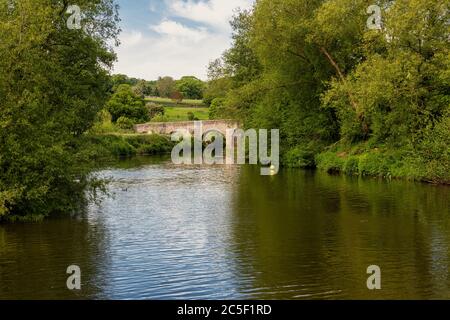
(125, 103)
(317, 71)
(190, 87)
(53, 81)
(165, 86)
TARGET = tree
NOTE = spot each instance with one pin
(215, 110)
(191, 87)
(165, 86)
(118, 79)
(155, 110)
(53, 82)
(140, 89)
(315, 70)
(216, 88)
(125, 103)
(176, 96)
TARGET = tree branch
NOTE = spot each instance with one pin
(342, 77)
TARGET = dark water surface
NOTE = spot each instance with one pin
(225, 232)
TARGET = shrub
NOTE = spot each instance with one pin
(150, 144)
(125, 123)
(124, 103)
(191, 116)
(351, 165)
(155, 110)
(103, 123)
(216, 107)
(330, 162)
(298, 157)
(160, 118)
(374, 164)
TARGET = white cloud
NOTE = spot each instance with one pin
(132, 39)
(215, 13)
(169, 53)
(177, 30)
(176, 49)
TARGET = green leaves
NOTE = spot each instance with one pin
(53, 81)
(325, 77)
(190, 87)
(125, 103)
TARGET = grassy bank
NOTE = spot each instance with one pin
(125, 145)
(384, 163)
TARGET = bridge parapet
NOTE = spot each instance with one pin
(167, 128)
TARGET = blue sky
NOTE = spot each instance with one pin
(173, 37)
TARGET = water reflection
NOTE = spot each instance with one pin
(225, 232)
(313, 236)
(34, 259)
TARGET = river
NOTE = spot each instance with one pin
(226, 232)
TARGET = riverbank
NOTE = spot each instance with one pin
(128, 145)
(362, 160)
(358, 160)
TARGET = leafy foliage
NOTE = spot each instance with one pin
(190, 87)
(155, 109)
(315, 71)
(53, 81)
(125, 103)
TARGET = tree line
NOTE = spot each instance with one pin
(346, 97)
(188, 87)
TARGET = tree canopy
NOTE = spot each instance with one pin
(53, 81)
(316, 70)
(125, 103)
(190, 87)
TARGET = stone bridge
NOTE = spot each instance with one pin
(168, 128)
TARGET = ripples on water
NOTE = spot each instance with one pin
(225, 232)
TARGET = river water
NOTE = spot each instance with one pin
(226, 232)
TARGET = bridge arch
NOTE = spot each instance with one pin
(167, 128)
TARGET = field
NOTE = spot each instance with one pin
(181, 113)
(170, 103)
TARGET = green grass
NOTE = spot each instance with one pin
(120, 145)
(169, 102)
(181, 114)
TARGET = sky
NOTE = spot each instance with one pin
(173, 37)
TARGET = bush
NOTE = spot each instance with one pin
(106, 146)
(103, 123)
(299, 157)
(374, 164)
(330, 162)
(216, 107)
(191, 116)
(125, 103)
(150, 144)
(125, 123)
(434, 152)
(160, 118)
(351, 165)
(155, 110)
